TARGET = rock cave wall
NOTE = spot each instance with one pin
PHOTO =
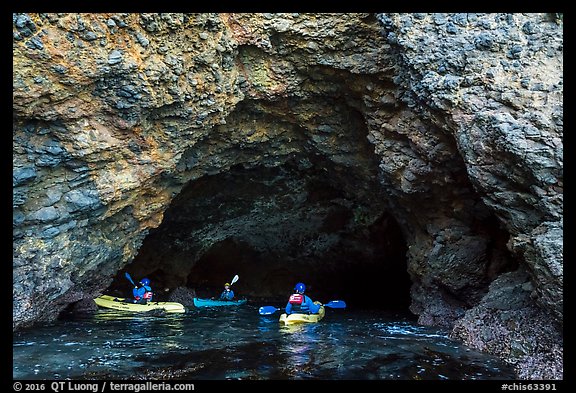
(331, 130)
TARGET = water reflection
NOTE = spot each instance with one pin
(267, 323)
(240, 344)
(298, 343)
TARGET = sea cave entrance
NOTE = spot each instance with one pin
(275, 226)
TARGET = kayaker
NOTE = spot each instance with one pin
(227, 293)
(300, 303)
(143, 293)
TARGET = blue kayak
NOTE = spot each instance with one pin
(217, 303)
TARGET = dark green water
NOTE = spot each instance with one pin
(238, 343)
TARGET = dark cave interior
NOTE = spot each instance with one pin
(275, 227)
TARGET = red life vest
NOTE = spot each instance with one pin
(147, 295)
(296, 298)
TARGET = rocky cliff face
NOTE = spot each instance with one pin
(428, 145)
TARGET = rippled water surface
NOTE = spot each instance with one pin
(238, 343)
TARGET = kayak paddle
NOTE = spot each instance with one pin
(267, 310)
(129, 278)
(234, 280)
(336, 304)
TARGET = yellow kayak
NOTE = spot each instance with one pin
(302, 318)
(116, 303)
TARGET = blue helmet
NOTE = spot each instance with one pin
(145, 281)
(300, 287)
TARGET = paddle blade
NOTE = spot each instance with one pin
(129, 278)
(234, 280)
(267, 310)
(336, 304)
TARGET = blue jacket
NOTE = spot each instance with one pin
(227, 295)
(141, 291)
(307, 307)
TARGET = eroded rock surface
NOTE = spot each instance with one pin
(170, 141)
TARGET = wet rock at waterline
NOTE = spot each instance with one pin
(183, 295)
(83, 306)
(508, 324)
(416, 153)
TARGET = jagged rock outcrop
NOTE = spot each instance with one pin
(343, 127)
(508, 324)
(498, 87)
